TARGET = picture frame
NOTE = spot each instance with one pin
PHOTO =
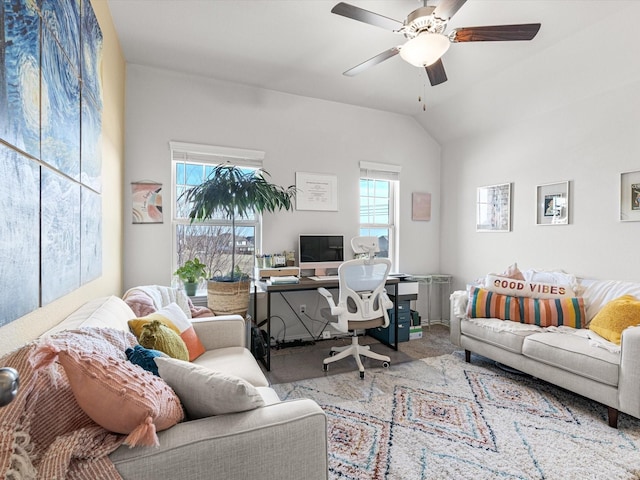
(493, 208)
(630, 196)
(420, 207)
(316, 191)
(553, 203)
(146, 202)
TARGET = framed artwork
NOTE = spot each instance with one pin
(493, 208)
(146, 200)
(552, 204)
(421, 206)
(316, 191)
(630, 197)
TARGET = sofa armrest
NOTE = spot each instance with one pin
(283, 441)
(220, 331)
(629, 376)
(458, 311)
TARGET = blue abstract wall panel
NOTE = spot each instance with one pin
(60, 218)
(90, 235)
(91, 144)
(91, 55)
(19, 234)
(62, 19)
(20, 75)
(51, 159)
(60, 109)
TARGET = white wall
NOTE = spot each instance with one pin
(297, 134)
(589, 142)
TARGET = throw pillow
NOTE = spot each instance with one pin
(173, 317)
(114, 393)
(547, 312)
(205, 392)
(143, 357)
(522, 288)
(486, 304)
(615, 316)
(157, 336)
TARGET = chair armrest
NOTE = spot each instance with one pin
(221, 331)
(335, 310)
(629, 376)
(266, 443)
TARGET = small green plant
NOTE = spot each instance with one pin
(192, 271)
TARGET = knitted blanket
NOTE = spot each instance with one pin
(151, 298)
(45, 435)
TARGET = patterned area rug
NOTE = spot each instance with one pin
(442, 418)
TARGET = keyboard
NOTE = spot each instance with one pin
(324, 277)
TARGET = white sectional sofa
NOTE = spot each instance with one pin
(576, 359)
(280, 440)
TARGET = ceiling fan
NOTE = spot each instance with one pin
(424, 28)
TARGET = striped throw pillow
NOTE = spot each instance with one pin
(546, 312)
(486, 304)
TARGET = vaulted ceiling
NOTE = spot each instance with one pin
(584, 47)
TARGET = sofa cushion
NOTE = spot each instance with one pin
(236, 361)
(157, 336)
(500, 333)
(573, 353)
(173, 317)
(109, 312)
(598, 293)
(205, 392)
(547, 312)
(116, 394)
(615, 316)
(486, 304)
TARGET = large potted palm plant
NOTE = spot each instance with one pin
(234, 193)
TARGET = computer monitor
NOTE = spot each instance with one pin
(320, 251)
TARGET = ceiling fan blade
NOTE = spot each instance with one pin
(495, 33)
(362, 15)
(448, 8)
(436, 73)
(381, 57)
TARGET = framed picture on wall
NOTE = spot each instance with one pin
(420, 206)
(146, 200)
(630, 197)
(493, 208)
(316, 191)
(552, 204)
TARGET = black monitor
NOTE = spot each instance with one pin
(320, 251)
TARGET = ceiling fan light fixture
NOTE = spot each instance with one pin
(425, 49)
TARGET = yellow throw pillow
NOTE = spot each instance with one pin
(137, 323)
(615, 316)
(157, 336)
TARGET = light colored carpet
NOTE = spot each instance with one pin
(442, 418)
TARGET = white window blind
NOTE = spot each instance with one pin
(199, 153)
(379, 171)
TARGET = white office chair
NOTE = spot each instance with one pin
(362, 302)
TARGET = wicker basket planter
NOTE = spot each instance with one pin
(229, 298)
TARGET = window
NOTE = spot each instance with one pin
(210, 240)
(378, 201)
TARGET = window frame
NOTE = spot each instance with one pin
(392, 225)
(210, 155)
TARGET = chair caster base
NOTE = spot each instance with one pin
(362, 375)
(386, 364)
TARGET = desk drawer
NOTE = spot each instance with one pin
(388, 335)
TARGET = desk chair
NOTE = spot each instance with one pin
(362, 301)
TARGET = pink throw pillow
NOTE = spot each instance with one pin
(116, 394)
